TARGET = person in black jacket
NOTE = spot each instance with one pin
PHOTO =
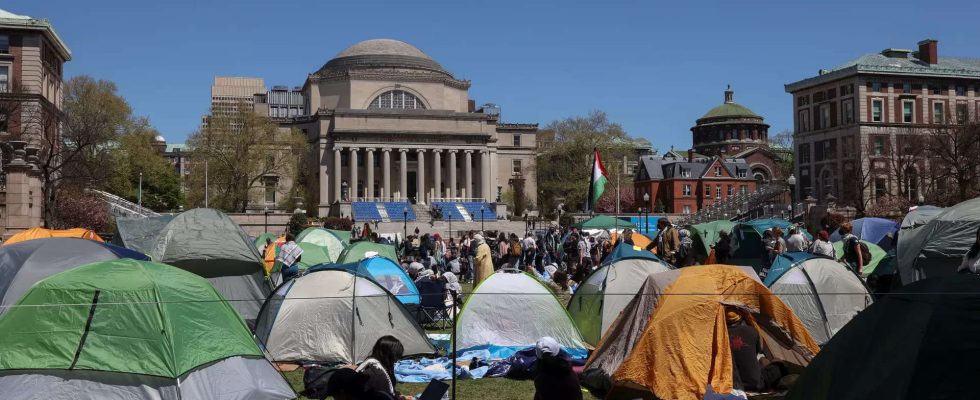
(553, 375)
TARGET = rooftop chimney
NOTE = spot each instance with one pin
(929, 51)
(690, 155)
(729, 95)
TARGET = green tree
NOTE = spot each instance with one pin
(238, 150)
(135, 154)
(564, 167)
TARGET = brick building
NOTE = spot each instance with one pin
(685, 182)
(855, 123)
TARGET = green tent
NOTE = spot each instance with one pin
(604, 222)
(877, 254)
(260, 240)
(313, 255)
(124, 316)
(335, 241)
(706, 235)
(355, 252)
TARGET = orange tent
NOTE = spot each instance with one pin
(672, 340)
(41, 233)
(269, 258)
(639, 240)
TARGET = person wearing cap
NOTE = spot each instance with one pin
(822, 246)
(483, 263)
(553, 375)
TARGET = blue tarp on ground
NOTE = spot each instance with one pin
(427, 369)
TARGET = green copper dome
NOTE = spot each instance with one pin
(729, 108)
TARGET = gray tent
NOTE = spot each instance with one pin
(921, 215)
(139, 233)
(208, 243)
(23, 264)
(937, 248)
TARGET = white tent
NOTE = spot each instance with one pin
(334, 316)
(514, 310)
(823, 293)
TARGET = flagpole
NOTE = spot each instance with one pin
(588, 200)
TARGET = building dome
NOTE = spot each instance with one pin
(730, 129)
(730, 110)
(382, 53)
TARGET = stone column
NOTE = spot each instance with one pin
(352, 185)
(404, 173)
(468, 171)
(452, 174)
(436, 165)
(386, 173)
(494, 169)
(369, 183)
(19, 202)
(324, 174)
(336, 173)
(420, 178)
(485, 175)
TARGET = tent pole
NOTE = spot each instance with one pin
(454, 356)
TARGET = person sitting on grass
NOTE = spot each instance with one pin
(553, 375)
(347, 384)
(379, 367)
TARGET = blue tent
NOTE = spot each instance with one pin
(879, 231)
(624, 251)
(384, 272)
(784, 262)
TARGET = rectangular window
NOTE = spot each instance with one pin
(687, 209)
(271, 183)
(876, 86)
(4, 78)
(846, 90)
(961, 90)
(805, 153)
(962, 113)
(3, 122)
(744, 189)
(687, 190)
(908, 111)
(731, 190)
(879, 146)
(517, 140)
(4, 44)
(938, 112)
(517, 167)
(876, 110)
(718, 191)
(802, 101)
(804, 121)
(717, 171)
(686, 173)
(881, 187)
(936, 89)
(742, 173)
(848, 107)
(707, 191)
(847, 146)
(824, 116)
(906, 88)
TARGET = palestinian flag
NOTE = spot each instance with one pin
(598, 182)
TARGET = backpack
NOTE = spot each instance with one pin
(515, 248)
(865, 251)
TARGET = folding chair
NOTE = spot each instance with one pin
(432, 307)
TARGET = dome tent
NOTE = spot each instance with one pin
(598, 301)
(822, 292)
(357, 250)
(24, 264)
(312, 255)
(41, 233)
(139, 233)
(672, 346)
(208, 243)
(333, 316)
(937, 248)
(917, 344)
(877, 255)
(508, 312)
(706, 235)
(921, 215)
(334, 241)
(131, 329)
(604, 222)
(386, 273)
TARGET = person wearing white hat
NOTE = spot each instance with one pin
(483, 260)
(553, 375)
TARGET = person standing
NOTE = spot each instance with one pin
(503, 249)
(685, 253)
(723, 248)
(289, 257)
(853, 254)
(668, 241)
(483, 266)
(796, 241)
(822, 246)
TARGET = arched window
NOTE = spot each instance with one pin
(397, 99)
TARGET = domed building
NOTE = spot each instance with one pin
(391, 125)
(732, 130)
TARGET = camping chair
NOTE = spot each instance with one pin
(432, 305)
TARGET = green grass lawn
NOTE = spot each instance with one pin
(488, 388)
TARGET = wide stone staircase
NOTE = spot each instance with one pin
(767, 201)
(120, 207)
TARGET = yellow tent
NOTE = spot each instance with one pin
(639, 240)
(41, 233)
(672, 340)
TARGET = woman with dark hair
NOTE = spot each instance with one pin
(380, 365)
(971, 261)
(561, 286)
(553, 375)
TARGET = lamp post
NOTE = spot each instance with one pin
(405, 219)
(482, 208)
(527, 225)
(791, 181)
(450, 222)
(265, 227)
(140, 199)
(560, 207)
(646, 207)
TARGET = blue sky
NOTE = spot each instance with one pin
(654, 66)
